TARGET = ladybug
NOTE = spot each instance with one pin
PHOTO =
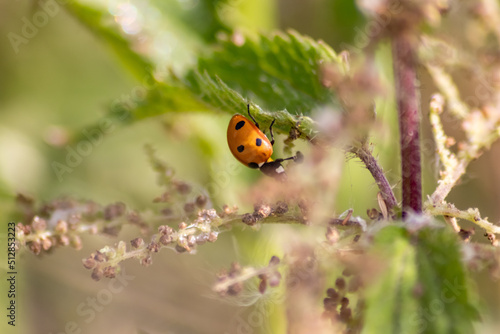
(251, 147)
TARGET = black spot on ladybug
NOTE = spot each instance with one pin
(258, 142)
(253, 165)
(239, 125)
(240, 148)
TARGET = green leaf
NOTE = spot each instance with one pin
(389, 298)
(280, 71)
(422, 287)
(445, 305)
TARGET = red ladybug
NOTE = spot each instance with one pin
(252, 148)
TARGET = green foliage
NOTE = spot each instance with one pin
(389, 300)
(445, 302)
(278, 72)
(422, 287)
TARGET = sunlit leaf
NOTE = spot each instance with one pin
(279, 71)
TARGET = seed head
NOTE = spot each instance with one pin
(137, 242)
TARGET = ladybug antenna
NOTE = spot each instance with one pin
(249, 114)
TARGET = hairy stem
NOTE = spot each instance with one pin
(472, 215)
(364, 154)
(405, 78)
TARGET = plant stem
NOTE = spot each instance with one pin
(472, 215)
(364, 154)
(405, 78)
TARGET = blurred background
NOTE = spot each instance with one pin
(62, 80)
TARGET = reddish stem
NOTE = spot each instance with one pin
(405, 77)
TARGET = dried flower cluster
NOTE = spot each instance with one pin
(106, 261)
(337, 306)
(232, 282)
(62, 222)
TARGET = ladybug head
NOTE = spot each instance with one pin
(275, 168)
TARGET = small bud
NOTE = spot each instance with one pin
(61, 227)
(89, 262)
(166, 239)
(109, 272)
(201, 238)
(344, 302)
(249, 219)
(274, 261)
(332, 294)
(201, 201)
(35, 247)
(491, 237)
(97, 274)
(46, 244)
(262, 211)
(100, 257)
(373, 214)
(345, 314)
(235, 289)
(114, 210)
(281, 208)
(183, 188)
(153, 247)
(63, 240)
(137, 242)
(165, 197)
(38, 224)
(191, 240)
(340, 283)
(212, 237)
(180, 249)
(21, 229)
(147, 261)
(182, 226)
(466, 234)
(165, 229)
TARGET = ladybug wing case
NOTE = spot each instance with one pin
(247, 143)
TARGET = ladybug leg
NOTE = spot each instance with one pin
(249, 114)
(271, 131)
(298, 158)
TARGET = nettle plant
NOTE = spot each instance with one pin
(404, 268)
